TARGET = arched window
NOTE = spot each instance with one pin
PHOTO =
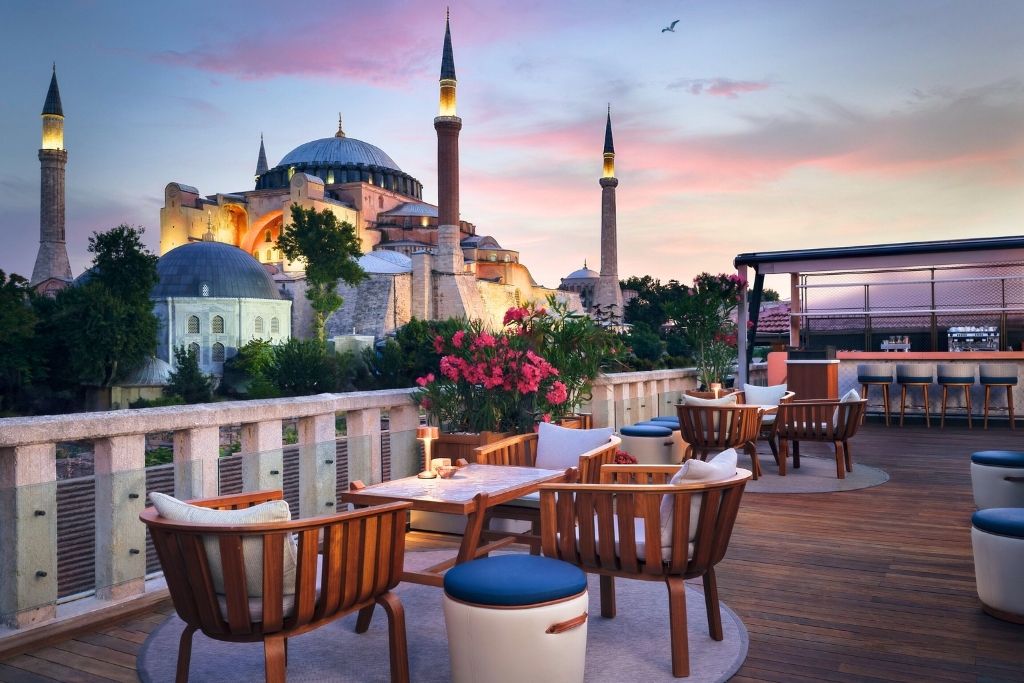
(193, 324)
(266, 236)
(258, 325)
(217, 324)
(205, 289)
(194, 348)
(218, 353)
(275, 326)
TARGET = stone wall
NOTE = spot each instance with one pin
(376, 306)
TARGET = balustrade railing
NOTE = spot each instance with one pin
(70, 545)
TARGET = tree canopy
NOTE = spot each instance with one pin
(20, 361)
(329, 248)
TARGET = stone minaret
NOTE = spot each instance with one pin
(448, 125)
(52, 259)
(609, 294)
(261, 162)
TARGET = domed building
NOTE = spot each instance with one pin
(583, 282)
(452, 271)
(215, 298)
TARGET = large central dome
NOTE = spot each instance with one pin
(337, 151)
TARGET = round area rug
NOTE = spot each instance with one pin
(633, 646)
(816, 475)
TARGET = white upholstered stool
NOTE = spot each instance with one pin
(997, 479)
(997, 537)
(653, 443)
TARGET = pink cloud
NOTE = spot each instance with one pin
(718, 87)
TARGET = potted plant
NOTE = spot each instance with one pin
(705, 312)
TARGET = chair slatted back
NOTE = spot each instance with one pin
(819, 420)
(363, 553)
(708, 428)
(594, 525)
(518, 451)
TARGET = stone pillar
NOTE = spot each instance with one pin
(449, 252)
(317, 466)
(448, 128)
(422, 286)
(262, 456)
(363, 432)
(52, 257)
(196, 458)
(602, 405)
(28, 535)
(405, 453)
(120, 498)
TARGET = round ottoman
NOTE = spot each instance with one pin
(997, 536)
(652, 443)
(516, 618)
(997, 478)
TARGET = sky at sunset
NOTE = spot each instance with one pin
(754, 126)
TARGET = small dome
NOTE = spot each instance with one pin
(582, 274)
(384, 261)
(212, 269)
(154, 372)
(338, 152)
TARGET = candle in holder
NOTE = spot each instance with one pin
(438, 463)
(426, 434)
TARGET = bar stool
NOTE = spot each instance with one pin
(995, 375)
(956, 375)
(914, 376)
(876, 374)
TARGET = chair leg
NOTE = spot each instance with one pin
(846, 456)
(840, 465)
(755, 465)
(774, 447)
(711, 605)
(885, 400)
(397, 643)
(945, 394)
(286, 653)
(273, 659)
(796, 455)
(927, 418)
(607, 597)
(364, 618)
(678, 634)
(864, 394)
(1009, 407)
(783, 456)
(967, 400)
(184, 654)
(535, 541)
(903, 402)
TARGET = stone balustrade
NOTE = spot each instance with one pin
(28, 471)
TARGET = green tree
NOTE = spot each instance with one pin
(330, 249)
(247, 372)
(187, 379)
(20, 360)
(105, 327)
(302, 367)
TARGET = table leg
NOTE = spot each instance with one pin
(474, 529)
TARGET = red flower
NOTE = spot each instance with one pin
(424, 381)
(557, 394)
(624, 458)
(457, 339)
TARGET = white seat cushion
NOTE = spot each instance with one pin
(848, 397)
(560, 447)
(639, 534)
(719, 468)
(727, 400)
(764, 396)
(252, 548)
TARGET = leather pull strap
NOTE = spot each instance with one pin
(568, 625)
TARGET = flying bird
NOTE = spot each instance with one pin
(671, 27)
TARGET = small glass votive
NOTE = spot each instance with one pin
(438, 463)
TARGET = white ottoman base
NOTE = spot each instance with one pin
(991, 490)
(655, 450)
(491, 644)
(997, 570)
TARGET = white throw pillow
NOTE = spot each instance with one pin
(719, 468)
(252, 548)
(764, 396)
(727, 400)
(560, 447)
(848, 397)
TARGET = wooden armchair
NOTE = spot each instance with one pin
(611, 528)
(521, 451)
(820, 420)
(710, 429)
(363, 555)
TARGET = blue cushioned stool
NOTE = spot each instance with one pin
(997, 479)
(667, 419)
(515, 618)
(997, 375)
(914, 376)
(956, 375)
(876, 375)
(997, 538)
(653, 443)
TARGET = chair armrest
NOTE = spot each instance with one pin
(593, 460)
(238, 500)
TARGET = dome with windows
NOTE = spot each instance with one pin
(212, 269)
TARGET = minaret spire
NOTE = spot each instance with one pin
(609, 295)
(52, 258)
(448, 124)
(261, 161)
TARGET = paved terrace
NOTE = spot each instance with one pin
(869, 585)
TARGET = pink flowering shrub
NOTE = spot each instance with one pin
(705, 312)
(538, 367)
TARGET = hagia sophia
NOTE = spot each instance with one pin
(224, 282)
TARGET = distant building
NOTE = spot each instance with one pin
(446, 269)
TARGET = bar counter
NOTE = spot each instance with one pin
(848, 380)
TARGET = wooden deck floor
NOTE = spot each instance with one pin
(871, 585)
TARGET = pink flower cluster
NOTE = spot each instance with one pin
(493, 365)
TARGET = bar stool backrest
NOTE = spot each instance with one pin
(871, 373)
(956, 373)
(914, 373)
(996, 373)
